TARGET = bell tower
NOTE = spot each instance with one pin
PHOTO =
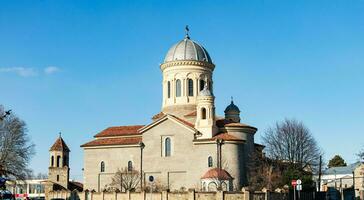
(205, 120)
(58, 170)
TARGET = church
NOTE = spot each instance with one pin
(186, 145)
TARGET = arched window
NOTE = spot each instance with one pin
(52, 161)
(57, 178)
(209, 161)
(58, 161)
(190, 87)
(169, 89)
(178, 88)
(167, 147)
(202, 84)
(212, 186)
(102, 166)
(203, 113)
(130, 166)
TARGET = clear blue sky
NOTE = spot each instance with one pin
(81, 66)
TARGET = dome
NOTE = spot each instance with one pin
(187, 49)
(232, 108)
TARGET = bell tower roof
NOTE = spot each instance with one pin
(60, 145)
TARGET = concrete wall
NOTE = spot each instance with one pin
(190, 195)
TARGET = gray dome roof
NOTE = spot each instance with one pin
(187, 49)
(232, 108)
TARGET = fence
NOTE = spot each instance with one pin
(190, 195)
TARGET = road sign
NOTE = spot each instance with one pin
(299, 182)
(294, 183)
(151, 178)
(299, 187)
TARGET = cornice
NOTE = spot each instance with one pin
(187, 62)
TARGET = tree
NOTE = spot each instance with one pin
(337, 161)
(361, 155)
(125, 180)
(291, 143)
(16, 149)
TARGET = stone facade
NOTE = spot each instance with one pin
(184, 141)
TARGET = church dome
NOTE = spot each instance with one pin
(187, 49)
(232, 108)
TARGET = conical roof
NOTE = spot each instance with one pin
(59, 145)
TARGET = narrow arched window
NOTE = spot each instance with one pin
(178, 88)
(130, 166)
(190, 87)
(169, 89)
(209, 161)
(57, 178)
(167, 147)
(203, 113)
(52, 161)
(202, 84)
(102, 166)
(58, 161)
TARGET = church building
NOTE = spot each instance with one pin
(186, 145)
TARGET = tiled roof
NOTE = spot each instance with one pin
(191, 114)
(120, 131)
(228, 123)
(157, 116)
(218, 174)
(226, 137)
(185, 122)
(60, 145)
(113, 141)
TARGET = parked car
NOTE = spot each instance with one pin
(6, 195)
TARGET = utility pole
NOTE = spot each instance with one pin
(142, 145)
(319, 175)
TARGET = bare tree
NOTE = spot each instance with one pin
(264, 172)
(125, 180)
(291, 141)
(16, 149)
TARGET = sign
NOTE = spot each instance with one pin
(299, 187)
(299, 182)
(151, 178)
(294, 183)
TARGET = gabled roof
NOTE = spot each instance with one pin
(342, 170)
(216, 173)
(183, 122)
(59, 145)
(120, 131)
(113, 141)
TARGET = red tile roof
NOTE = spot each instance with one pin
(218, 174)
(60, 145)
(228, 123)
(226, 137)
(113, 141)
(120, 131)
(158, 116)
(192, 114)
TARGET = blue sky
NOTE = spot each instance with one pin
(81, 66)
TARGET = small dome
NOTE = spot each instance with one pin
(187, 49)
(232, 108)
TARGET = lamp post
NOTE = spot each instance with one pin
(142, 145)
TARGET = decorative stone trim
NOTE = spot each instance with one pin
(187, 62)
